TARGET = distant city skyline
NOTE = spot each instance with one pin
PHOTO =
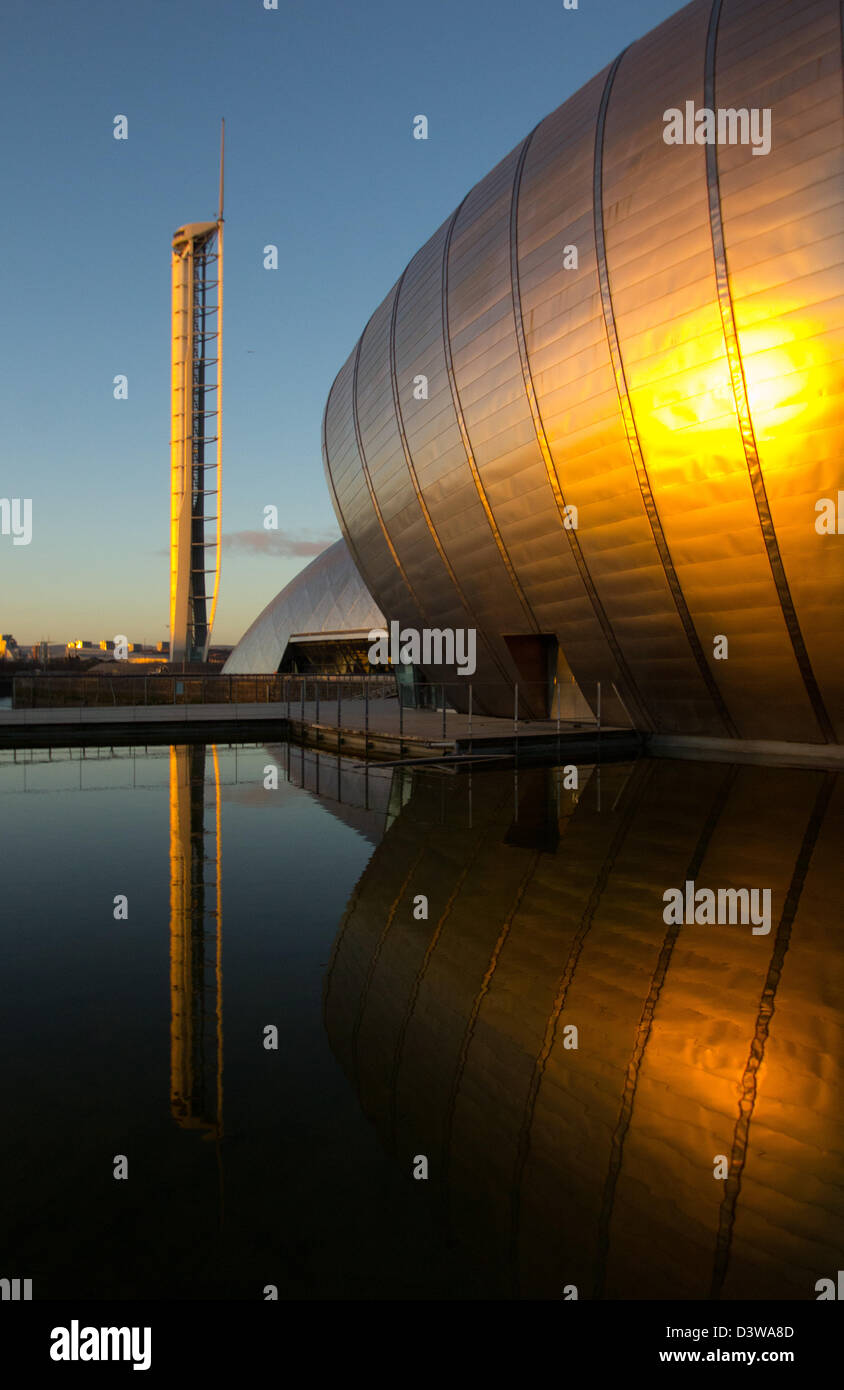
(321, 163)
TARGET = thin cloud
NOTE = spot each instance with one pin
(275, 543)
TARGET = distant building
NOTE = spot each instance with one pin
(48, 651)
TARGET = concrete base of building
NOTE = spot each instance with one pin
(746, 750)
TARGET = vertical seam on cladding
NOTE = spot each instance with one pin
(545, 448)
(344, 527)
(411, 468)
(642, 1038)
(630, 422)
(748, 1086)
(354, 1043)
(742, 403)
(397, 562)
(644, 774)
(351, 909)
(464, 434)
(413, 997)
(477, 1003)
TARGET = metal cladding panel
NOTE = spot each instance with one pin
(504, 436)
(680, 386)
(359, 518)
(784, 234)
(435, 442)
(664, 305)
(564, 348)
(328, 595)
(437, 462)
(487, 376)
(382, 444)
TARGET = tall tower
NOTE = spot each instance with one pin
(196, 434)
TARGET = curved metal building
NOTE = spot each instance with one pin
(325, 602)
(602, 404)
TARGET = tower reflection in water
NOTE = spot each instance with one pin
(594, 1165)
(196, 945)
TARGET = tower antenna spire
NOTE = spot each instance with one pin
(222, 164)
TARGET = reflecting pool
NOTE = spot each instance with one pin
(502, 1069)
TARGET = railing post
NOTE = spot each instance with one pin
(470, 713)
(287, 687)
(302, 693)
(366, 714)
(316, 719)
(443, 690)
(515, 710)
(339, 714)
(401, 718)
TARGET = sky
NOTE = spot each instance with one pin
(319, 101)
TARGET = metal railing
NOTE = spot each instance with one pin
(90, 691)
(364, 700)
(441, 708)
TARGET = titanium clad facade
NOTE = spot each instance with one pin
(674, 388)
(327, 597)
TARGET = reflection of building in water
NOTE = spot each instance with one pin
(366, 796)
(196, 974)
(594, 1165)
(362, 797)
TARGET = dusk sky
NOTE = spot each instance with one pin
(319, 102)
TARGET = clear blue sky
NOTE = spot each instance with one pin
(319, 101)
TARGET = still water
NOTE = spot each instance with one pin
(468, 968)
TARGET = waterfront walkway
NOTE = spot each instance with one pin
(379, 731)
(377, 728)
